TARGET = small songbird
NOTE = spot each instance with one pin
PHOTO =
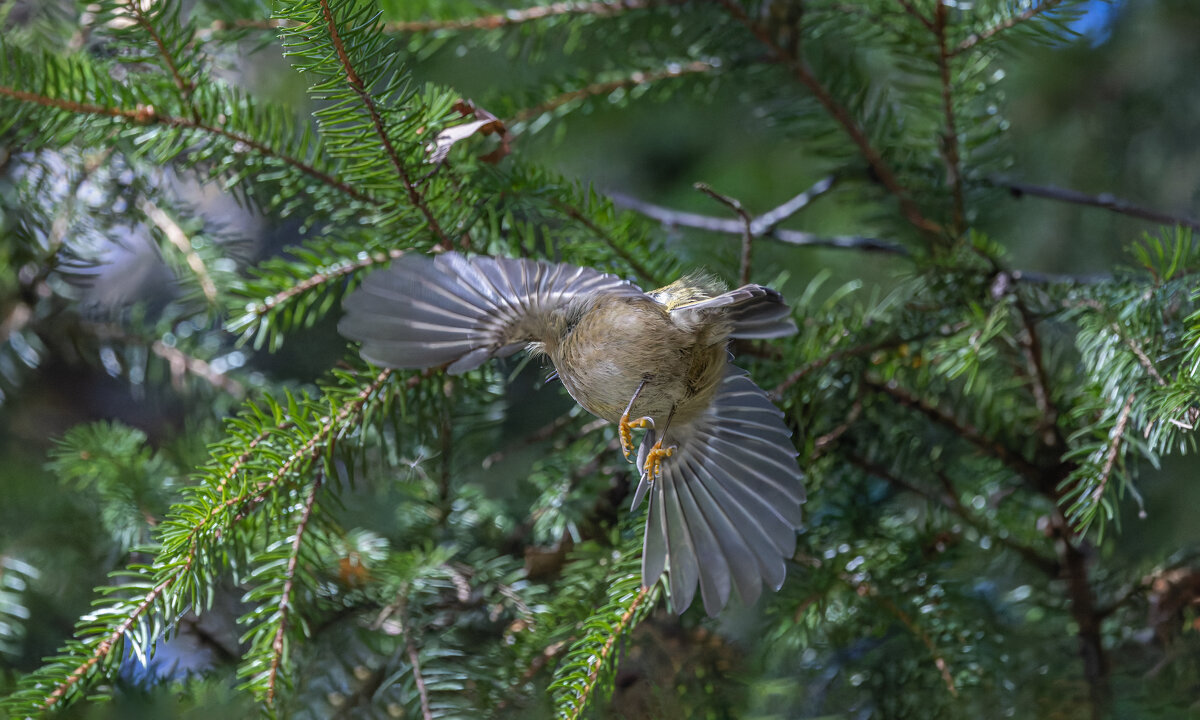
(717, 460)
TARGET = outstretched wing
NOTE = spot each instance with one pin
(427, 311)
(725, 510)
(756, 311)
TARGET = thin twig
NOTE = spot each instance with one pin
(368, 102)
(1114, 447)
(147, 115)
(270, 303)
(289, 582)
(949, 144)
(1105, 201)
(1029, 14)
(1143, 359)
(597, 661)
(411, 649)
(747, 226)
(177, 237)
(804, 74)
(135, 8)
(181, 363)
(523, 15)
(766, 223)
(1031, 349)
(908, 8)
(604, 88)
(577, 215)
(960, 427)
(679, 218)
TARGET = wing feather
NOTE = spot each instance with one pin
(452, 310)
(725, 510)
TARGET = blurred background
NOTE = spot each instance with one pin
(1113, 110)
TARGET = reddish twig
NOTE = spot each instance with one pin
(136, 10)
(147, 115)
(1114, 447)
(604, 88)
(949, 144)
(270, 303)
(597, 661)
(804, 74)
(368, 102)
(528, 14)
(577, 215)
(1029, 14)
(289, 581)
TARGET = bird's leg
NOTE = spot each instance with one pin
(656, 454)
(625, 426)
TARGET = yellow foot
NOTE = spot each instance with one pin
(625, 430)
(654, 459)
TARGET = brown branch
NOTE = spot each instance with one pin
(1029, 14)
(105, 646)
(1104, 201)
(597, 661)
(679, 218)
(962, 428)
(577, 215)
(864, 349)
(518, 16)
(1143, 359)
(1114, 447)
(147, 115)
(368, 102)
(949, 144)
(864, 589)
(604, 88)
(747, 227)
(415, 661)
(908, 8)
(804, 74)
(181, 363)
(1031, 349)
(270, 303)
(289, 582)
(135, 9)
(177, 237)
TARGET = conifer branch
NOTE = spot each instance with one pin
(604, 8)
(322, 278)
(147, 115)
(1104, 201)
(949, 144)
(1114, 447)
(598, 660)
(368, 103)
(415, 661)
(577, 215)
(908, 8)
(604, 88)
(962, 428)
(841, 115)
(177, 237)
(181, 363)
(255, 494)
(1133, 345)
(289, 582)
(994, 30)
(135, 9)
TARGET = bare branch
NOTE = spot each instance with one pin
(680, 218)
(949, 144)
(1105, 201)
(747, 226)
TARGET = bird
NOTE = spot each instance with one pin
(716, 459)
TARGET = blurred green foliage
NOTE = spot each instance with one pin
(993, 393)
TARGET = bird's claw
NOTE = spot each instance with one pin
(654, 459)
(625, 430)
